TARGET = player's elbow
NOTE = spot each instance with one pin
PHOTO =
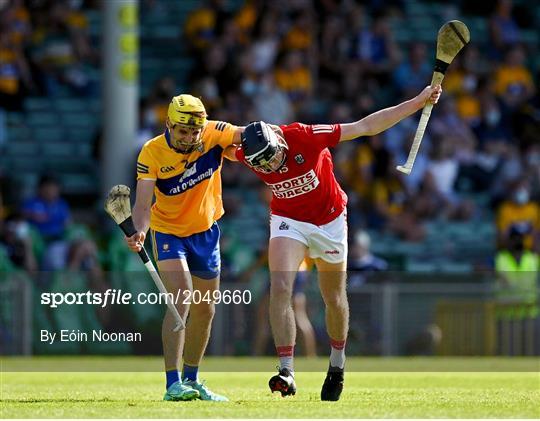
(355, 130)
(368, 129)
(141, 210)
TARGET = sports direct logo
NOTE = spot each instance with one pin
(296, 186)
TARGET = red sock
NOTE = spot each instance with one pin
(286, 355)
(339, 345)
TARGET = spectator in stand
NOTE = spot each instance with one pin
(362, 262)
(455, 138)
(443, 169)
(429, 203)
(14, 71)
(357, 168)
(54, 51)
(17, 18)
(462, 81)
(71, 252)
(376, 50)
(503, 29)
(47, 211)
(77, 24)
(390, 199)
(493, 126)
(16, 239)
(204, 25)
(217, 75)
(526, 123)
(294, 78)
(246, 19)
(301, 34)
(513, 81)
(518, 210)
(334, 67)
(158, 101)
(517, 268)
(271, 103)
(509, 170)
(49, 214)
(265, 47)
(447, 122)
(412, 74)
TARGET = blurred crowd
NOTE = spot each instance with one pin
(45, 50)
(324, 61)
(337, 61)
(44, 47)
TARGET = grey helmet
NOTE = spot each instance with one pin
(260, 145)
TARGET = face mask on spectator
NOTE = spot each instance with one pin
(469, 83)
(521, 196)
(150, 118)
(249, 88)
(20, 229)
(493, 117)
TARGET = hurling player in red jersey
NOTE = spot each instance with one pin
(308, 217)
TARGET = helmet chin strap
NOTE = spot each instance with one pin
(282, 162)
(183, 152)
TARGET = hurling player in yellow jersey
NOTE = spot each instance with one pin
(181, 167)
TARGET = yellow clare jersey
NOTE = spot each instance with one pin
(9, 75)
(188, 186)
(511, 213)
(507, 76)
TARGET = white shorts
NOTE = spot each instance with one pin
(327, 242)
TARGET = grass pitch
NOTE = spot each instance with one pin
(386, 393)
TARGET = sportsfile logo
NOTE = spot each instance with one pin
(296, 186)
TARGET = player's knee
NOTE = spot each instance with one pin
(203, 312)
(281, 286)
(336, 301)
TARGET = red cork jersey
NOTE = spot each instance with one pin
(305, 189)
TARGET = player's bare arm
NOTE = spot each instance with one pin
(384, 119)
(141, 213)
(230, 152)
(237, 136)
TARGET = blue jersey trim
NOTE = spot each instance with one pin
(168, 138)
(196, 172)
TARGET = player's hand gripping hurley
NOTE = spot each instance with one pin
(452, 37)
(118, 207)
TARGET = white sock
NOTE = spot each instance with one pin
(337, 353)
(286, 362)
(286, 355)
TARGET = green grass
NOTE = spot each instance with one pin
(381, 394)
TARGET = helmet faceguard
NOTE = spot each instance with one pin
(262, 149)
(189, 113)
